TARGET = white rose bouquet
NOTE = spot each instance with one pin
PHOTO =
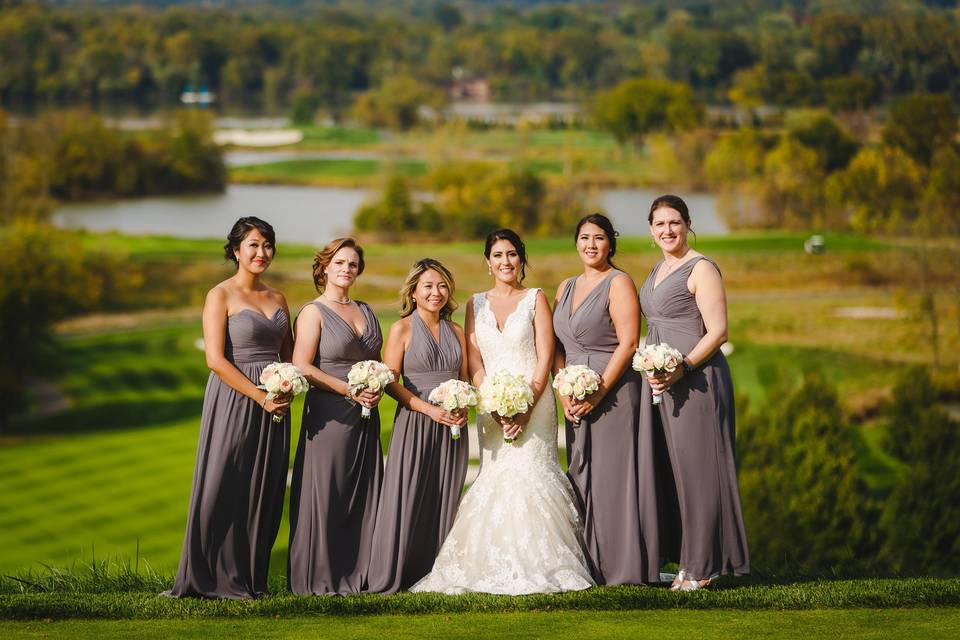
(281, 379)
(655, 359)
(368, 374)
(454, 395)
(506, 394)
(576, 381)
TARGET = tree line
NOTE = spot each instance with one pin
(327, 55)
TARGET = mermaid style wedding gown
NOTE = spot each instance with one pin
(518, 529)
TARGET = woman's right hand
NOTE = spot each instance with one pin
(367, 398)
(567, 403)
(277, 405)
(450, 419)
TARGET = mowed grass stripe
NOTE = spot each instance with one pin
(123, 603)
(801, 625)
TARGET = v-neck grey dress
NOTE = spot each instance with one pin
(337, 470)
(236, 502)
(611, 460)
(425, 469)
(697, 418)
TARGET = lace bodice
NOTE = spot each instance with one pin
(513, 349)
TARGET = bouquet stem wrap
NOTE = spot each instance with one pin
(282, 378)
(368, 375)
(657, 359)
(454, 395)
(576, 381)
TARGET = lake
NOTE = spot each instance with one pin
(314, 215)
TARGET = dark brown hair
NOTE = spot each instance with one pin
(510, 236)
(604, 223)
(674, 202)
(240, 229)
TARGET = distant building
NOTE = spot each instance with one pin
(201, 97)
(512, 114)
(475, 90)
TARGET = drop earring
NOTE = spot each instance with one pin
(489, 270)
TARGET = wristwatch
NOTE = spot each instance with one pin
(687, 368)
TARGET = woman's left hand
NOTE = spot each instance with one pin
(661, 383)
(588, 404)
(513, 426)
(368, 398)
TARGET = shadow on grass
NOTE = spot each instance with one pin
(110, 416)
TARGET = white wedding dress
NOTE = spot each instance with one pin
(518, 529)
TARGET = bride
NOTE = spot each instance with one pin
(518, 529)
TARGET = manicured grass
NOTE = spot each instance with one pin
(337, 137)
(320, 171)
(859, 624)
(114, 470)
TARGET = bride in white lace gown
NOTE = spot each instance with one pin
(518, 529)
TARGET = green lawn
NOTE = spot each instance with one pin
(319, 169)
(801, 625)
(337, 137)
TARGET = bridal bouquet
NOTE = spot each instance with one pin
(576, 381)
(280, 379)
(506, 394)
(655, 359)
(368, 374)
(454, 395)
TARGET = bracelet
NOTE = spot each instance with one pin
(263, 403)
(687, 368)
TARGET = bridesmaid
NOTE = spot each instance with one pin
(425, 466)
(339, 462)
(685, 306)
(611, 463)
(241, 470)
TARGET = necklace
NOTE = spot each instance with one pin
(670, 267)
(347, 301)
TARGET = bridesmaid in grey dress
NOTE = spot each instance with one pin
(426, 467)
(685, 306)
(236, 502)
(339, 464)
(611, 463)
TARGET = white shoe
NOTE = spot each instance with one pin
(693, 585)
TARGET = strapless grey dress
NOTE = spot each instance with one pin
(236, 502)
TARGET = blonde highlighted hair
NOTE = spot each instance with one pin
(408, 304)
(325, 256)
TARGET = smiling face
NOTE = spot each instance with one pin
(593, 245)
(669, 230)
(432, 292)
(255, 252)
(504, 261)
(344, 268)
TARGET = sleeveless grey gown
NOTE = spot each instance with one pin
(611, 461)
(236, 502)
(697, 418)
(337, 470)
(425, 469)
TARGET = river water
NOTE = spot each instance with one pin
(313, 215)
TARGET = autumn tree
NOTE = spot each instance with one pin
(637, 107)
